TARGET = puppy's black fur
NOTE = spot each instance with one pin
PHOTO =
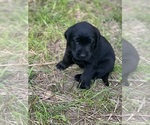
(87, 48)
(130, 59)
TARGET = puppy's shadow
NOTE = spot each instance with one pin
(130, 60)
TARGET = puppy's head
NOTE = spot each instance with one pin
(82, 38)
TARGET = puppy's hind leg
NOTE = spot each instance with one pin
(77, 77)
(105, 79)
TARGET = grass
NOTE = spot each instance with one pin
(135, 102)
(53, 96)
(55, 99)
(13, 53)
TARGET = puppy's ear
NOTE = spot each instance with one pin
(67, 33)
(97, 34)
(97, 37)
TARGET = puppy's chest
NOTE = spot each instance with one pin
(79, 63)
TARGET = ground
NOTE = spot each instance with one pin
(135, 28)
(52, 97)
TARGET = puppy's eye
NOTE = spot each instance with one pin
(92, 41)
(75, 40)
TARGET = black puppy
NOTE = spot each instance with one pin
(89, 50)
(130, 59)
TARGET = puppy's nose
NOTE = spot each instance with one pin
(82, 55)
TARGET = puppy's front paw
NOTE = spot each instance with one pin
(61, 66)
(77, 77)
(106, 83)
(83, 86)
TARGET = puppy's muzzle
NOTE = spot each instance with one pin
(83, 56)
